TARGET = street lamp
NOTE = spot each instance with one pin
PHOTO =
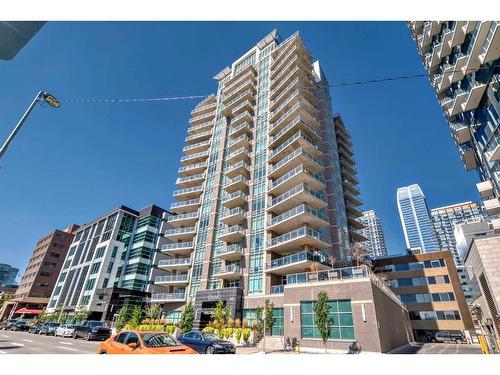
(40, 97)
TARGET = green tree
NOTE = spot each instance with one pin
(321, 316)
(4, 298)
(56, 314)
(187, 318)
(136, 317)
(269, 319)
(152, 311)
(259, 325)
(123, 317)
(219, 317)
(81, 313)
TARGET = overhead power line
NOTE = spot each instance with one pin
(128, 100)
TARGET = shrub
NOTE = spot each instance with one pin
(246, 333)
(226, 332)
(230, 322)
(237, 332)
(237, 323)
(170, 329)
(244, 324)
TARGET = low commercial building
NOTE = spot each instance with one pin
(429, 285)
(40, 276)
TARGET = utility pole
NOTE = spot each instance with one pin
(41, 96)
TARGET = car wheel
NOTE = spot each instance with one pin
(458, 341)
(433, 340)
(88, 337)
(103, 352)
(74, 335)
(209, 350)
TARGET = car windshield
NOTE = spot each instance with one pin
(21, 322)
(210, 336)
(54, 324)
(69, 325)
(159, 340)
(96, 324)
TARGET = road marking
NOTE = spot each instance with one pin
(27, 340)
(16, 344)
(65, 343)
(66, 348)
(2, 352)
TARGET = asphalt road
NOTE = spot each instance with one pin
(439, 348)
(28, 343)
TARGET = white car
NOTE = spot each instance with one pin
(65, 330)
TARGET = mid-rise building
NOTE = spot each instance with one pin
(8, 274)
(40, 276)
(374, 233)
(108, 263)
(429, 286)
(445, 219)
(462, 60)
(415, 219)
(267, 202)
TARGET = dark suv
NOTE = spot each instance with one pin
(449, 337)
(92, 330)
(20, 325)
(7, 324)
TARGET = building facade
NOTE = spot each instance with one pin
(374, 233)
(462, 60)
(267, 194)
(429, 286)
(415, 219)
(8, 274)
(41, 273)
(108, 263)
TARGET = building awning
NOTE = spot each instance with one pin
(24, 310)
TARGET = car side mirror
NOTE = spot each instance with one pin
(132, 345)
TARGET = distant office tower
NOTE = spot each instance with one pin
(7, 274)
(445, 219)
(374, 233)
(462, 59)
(108, 263)
(415, 219)
(267, 187)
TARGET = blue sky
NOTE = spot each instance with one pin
(72, 164)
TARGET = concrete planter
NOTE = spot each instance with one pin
(252, 340)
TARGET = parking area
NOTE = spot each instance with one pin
(439, 348)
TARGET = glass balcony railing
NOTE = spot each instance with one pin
(232, 268)
(168, 296)
(192, 166)
(234, 248)
(199, 135)
(204, 107)
(278, 122)
(171, 278)
(238, 194)
(175, 218)
(174, 262)
(194, 189)
(194, 156)
(294, 172)
(172, 232)
(298, 189)
(328, 275)
(196, 145)
(293, 138)
(299, 257)
(239, 127)
(237, 165)
(239, 178)
(304, 231)
(190, 178)
(489, 36)
(200, 126)
(197, 118)
(301, 209)
(277, 289)
(240, 138)
(177, 245)
(295, 153)
(234, 211)
(233, 229)
(185, 203)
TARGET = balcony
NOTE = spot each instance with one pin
(230, 272)
(491, 46)
(474, 96)
(239, 168)
(492, 206)
(485, 189)
(296, 217)
(295, 74)
(200, 128)
(241, 154)
(231, 101)
(180, 234)
(468, 157)
(239, 130)
(247, 106)
(288, 107)
(347, 165)
(185, 207)
(460, 132)
(189, 219)
(190, 181)
(494, 154)
(175, 264)
(295, 196)
(297, 140)
(194, 158)
(355, 236)
(297, 124)
(172, 280)
(298, 262)
(298, 157)
(195, 148)
(458, 36)
(239, 84)
(168, 297)
(202, 118)
(350, 187)
(277, 289)
(231, 253)
(435, 55)
(245, 117)
(446, 104)
(350, 197)
(198, 137)
(236, 199)
(351, 221)
(192, 169)
(296, 176)
(331, 275)
(232, 234)
(234, 216)
(457, 72)
(204, 109)
(353, 209)
(443, 82)
(179, 248)
(473, 62)
(188, 193)
(296, 239)
(446, 48)
(290, 89)
(458, 100)
(241, 141)
(238, 183)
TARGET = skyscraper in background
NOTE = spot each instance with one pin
(462, 60)
(7, 274)
(444, 220)
(374, 233)
(415, 219)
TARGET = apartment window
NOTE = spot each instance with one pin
(342, 325)
(172, 317)
(113, 253)
(54, 255)
(279, 322)
(95, 268)
(85, 300)
(251, 316)
(90, 284)
(434, 315)
(45, 274)
(100, 252)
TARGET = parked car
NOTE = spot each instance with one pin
(48, 328)
(35, 328)
(448, 337)
(143, 342)
(65, 330)
(7, 324)
(20, 325)
(92, 330)
(208, 343)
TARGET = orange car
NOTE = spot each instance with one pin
(143, 342)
